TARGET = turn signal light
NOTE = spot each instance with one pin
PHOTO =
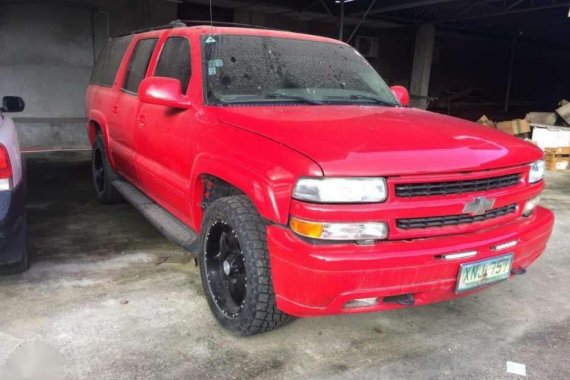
(306, 228)
(359, 232)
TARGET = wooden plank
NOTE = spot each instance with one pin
(562, 151)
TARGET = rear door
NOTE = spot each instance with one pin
(125, 108)
(164, 134)
(102, 92)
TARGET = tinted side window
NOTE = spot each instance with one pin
(108, 62)
(138, 64)
(174, 61)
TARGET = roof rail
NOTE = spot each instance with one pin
(184, 23)
(170, 25)
(222, 23)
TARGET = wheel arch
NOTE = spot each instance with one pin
(98, 123)
(232, 179)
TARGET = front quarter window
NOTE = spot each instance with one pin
(260, 69)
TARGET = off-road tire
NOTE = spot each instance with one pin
(103, 173)
(258, 312)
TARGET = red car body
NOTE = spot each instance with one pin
(264, 150)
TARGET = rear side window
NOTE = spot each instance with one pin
(138, 64)
(108, 62)
(174, 61)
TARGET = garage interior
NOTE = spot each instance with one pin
(109, 297)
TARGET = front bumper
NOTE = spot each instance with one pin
(312, 280)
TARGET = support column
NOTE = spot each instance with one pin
(510, 77)
(421, 68)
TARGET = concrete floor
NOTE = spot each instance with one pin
(108, 298)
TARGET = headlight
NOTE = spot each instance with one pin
(339, 231)
(341, 190)
(536, 171)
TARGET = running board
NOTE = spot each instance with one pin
(170, 226)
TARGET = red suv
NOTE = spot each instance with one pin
(303, 184)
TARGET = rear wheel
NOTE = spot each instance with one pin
(103, 173)
(235, 269)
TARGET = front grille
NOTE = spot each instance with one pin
(455, 187)
(453, 220)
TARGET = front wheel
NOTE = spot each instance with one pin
(235, 268)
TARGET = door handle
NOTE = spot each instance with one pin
(141, 120)
(115, 108)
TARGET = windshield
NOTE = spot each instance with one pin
(257, 69)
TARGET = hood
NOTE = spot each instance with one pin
(371, 140)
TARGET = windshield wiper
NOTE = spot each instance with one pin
(278, 95)
(364, 97)
(272, 96)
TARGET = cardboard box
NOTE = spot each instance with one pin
(547, 136)
(514, 127)
(548, 118)
(557, 158)
(484, 120)
(564, 112)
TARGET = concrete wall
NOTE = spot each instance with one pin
(47, 52)
(46, 58)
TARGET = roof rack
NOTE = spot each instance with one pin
(222, 23)
(185, 23)
(170, 25)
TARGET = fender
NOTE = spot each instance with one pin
(99, 118)
(262, 169)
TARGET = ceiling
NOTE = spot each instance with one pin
(544, 19)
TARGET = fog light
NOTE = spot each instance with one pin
(361, 302)
(530, 206)
(507, 245)
(459, 255)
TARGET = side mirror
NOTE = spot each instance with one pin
(13, 104)
(402, 94)
(163, 91)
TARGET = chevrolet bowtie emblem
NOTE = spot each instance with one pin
(478, 206)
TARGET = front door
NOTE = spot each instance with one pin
(164, 135)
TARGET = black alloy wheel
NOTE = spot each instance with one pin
(235, 268)
(225, 268)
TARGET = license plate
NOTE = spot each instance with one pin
(474, 275)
